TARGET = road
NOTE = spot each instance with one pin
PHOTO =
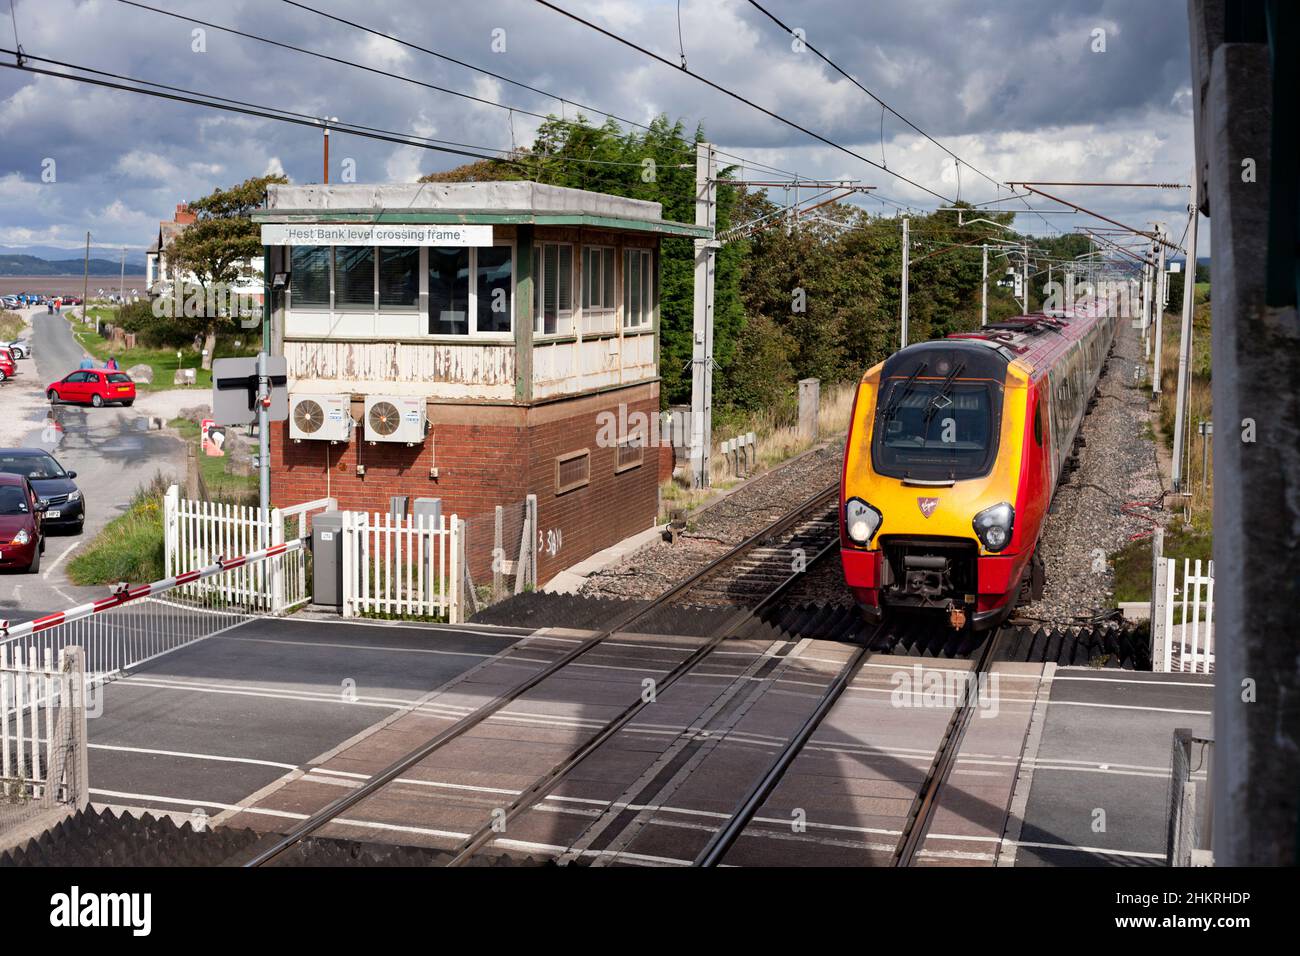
(111, 449)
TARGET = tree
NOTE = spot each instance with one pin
(218, 248)
(658, 165)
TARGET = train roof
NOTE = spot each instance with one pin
(1036, 340)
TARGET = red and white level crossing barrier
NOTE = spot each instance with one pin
(136, 624)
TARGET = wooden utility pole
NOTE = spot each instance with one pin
(85, 284)
(121, 287)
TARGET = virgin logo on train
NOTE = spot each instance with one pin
(927, 505)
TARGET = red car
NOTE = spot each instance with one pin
(7, 365)
(96, 386)
(21, 540)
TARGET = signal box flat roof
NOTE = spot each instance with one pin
(495, 203)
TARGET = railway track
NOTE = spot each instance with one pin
(749, 575)
(921, 812)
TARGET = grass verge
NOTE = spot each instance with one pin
(130, 547)
(1200, 406)
(11, 323)
(1133, 561)
(777, 440)
(222, 485)
(164, 362)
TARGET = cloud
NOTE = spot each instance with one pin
(1015, 89)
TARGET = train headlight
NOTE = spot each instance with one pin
(860, 520)
(993, 526)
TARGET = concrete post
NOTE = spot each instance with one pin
(1256, 349)
(809, 402)
(498, 556)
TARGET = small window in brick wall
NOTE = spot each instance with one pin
(572, 470)
(631, 452)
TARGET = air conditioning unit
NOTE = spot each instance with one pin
(320, 417)
(395, 418)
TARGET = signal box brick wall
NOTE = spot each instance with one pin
(487, 456)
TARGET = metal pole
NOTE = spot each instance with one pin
(1162, 281)
(984, 287)
(1205, 458)
(121, 289)
(264, 394)
(326, 172)
(1146, 309)
(702, 320)
(1185, 341)
(1024, 306)
(902, 340)
(263, 435)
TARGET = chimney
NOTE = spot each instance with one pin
(183, 215)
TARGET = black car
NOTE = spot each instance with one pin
(66, 508)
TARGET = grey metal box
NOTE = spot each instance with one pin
(430, 508)
(327, 558)
(397, 506)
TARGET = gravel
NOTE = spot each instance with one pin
(1089, 521)
(719, 527)
(1113, 495)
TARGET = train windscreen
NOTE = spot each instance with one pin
(936, 430)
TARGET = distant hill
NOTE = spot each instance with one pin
(24, 265)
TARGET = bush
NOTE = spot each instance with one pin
(151, 330)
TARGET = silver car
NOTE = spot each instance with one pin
(21, 348)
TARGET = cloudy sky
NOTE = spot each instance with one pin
(1015, 88)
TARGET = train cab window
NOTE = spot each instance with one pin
(1038, 422)
(931, 430)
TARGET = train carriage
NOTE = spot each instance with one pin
(955, 449)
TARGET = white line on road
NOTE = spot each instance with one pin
(182, 753)
(66, 551)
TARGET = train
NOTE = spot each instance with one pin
(955, 449)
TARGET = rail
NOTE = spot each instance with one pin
(384, 777)
(921, 813)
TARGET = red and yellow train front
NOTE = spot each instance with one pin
(941, 501)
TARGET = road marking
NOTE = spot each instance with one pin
(183, 753)
(64, 554)
(1092, 849)
(1158, 683)
(1160, 710)
(361, 647)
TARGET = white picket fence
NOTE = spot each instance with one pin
(403, 567)
(42, 737)
(197, 533)
(1188, 645)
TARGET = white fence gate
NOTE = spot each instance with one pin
(42, 739)
(197, 533)
(1182, 617)
(403, 567)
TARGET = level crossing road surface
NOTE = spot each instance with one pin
(200, 729)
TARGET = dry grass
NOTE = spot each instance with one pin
(777, 440)
(1200, 408)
